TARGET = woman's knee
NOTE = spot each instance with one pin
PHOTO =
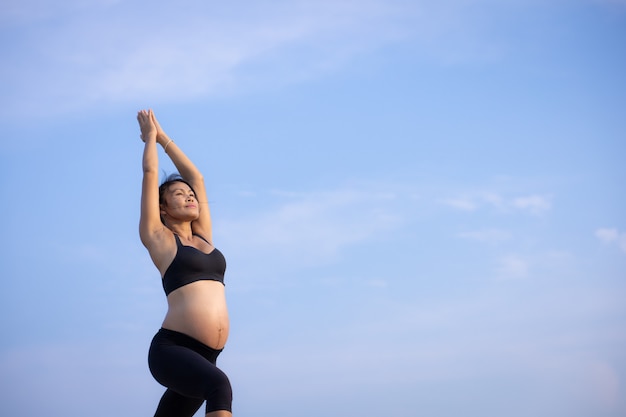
(219, 395)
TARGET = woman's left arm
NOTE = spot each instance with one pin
(191, 174)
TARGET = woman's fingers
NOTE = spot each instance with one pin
(146, 124)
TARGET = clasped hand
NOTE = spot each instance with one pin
(147, 125)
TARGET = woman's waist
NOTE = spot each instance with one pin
(211, 328)
(198, 314)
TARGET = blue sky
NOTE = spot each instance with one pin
(421, 202)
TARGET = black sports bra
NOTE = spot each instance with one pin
(191, 265)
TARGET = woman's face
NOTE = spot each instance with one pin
(180, 202)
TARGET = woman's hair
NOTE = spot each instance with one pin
(169, 180)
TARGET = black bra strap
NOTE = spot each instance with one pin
(204, 239)
(179, 243)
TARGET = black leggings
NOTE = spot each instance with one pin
(187, 368)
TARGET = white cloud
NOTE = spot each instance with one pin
(73, 54)
(534, 204)
(607, 235)
(377, 283)
(493, 199)
(612, 236)
(512, 267)
(488, 236)
(312, 228)
(121, 51)
(464, 204)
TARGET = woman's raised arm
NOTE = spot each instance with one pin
(192, 175)
(150, 224)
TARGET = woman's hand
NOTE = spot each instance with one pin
(161, 135)
(147, 125)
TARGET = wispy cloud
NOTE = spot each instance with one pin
(461, 203)
(120, 51)
(67, 55)
(492, 236)
(312, 228)
(535, 204)
(612, 236)
(512, 267)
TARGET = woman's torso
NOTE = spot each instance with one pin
(195, 293)
(199, 310)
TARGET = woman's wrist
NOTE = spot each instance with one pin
(168, 143)
(162, 139)
(148, 138)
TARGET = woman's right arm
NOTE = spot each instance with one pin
(151, 229)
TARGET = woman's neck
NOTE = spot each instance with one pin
(182, 229)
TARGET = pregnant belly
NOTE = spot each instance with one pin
(199, 310)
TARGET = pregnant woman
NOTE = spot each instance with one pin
(175, 228)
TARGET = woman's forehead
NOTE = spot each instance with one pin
(178, 185)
